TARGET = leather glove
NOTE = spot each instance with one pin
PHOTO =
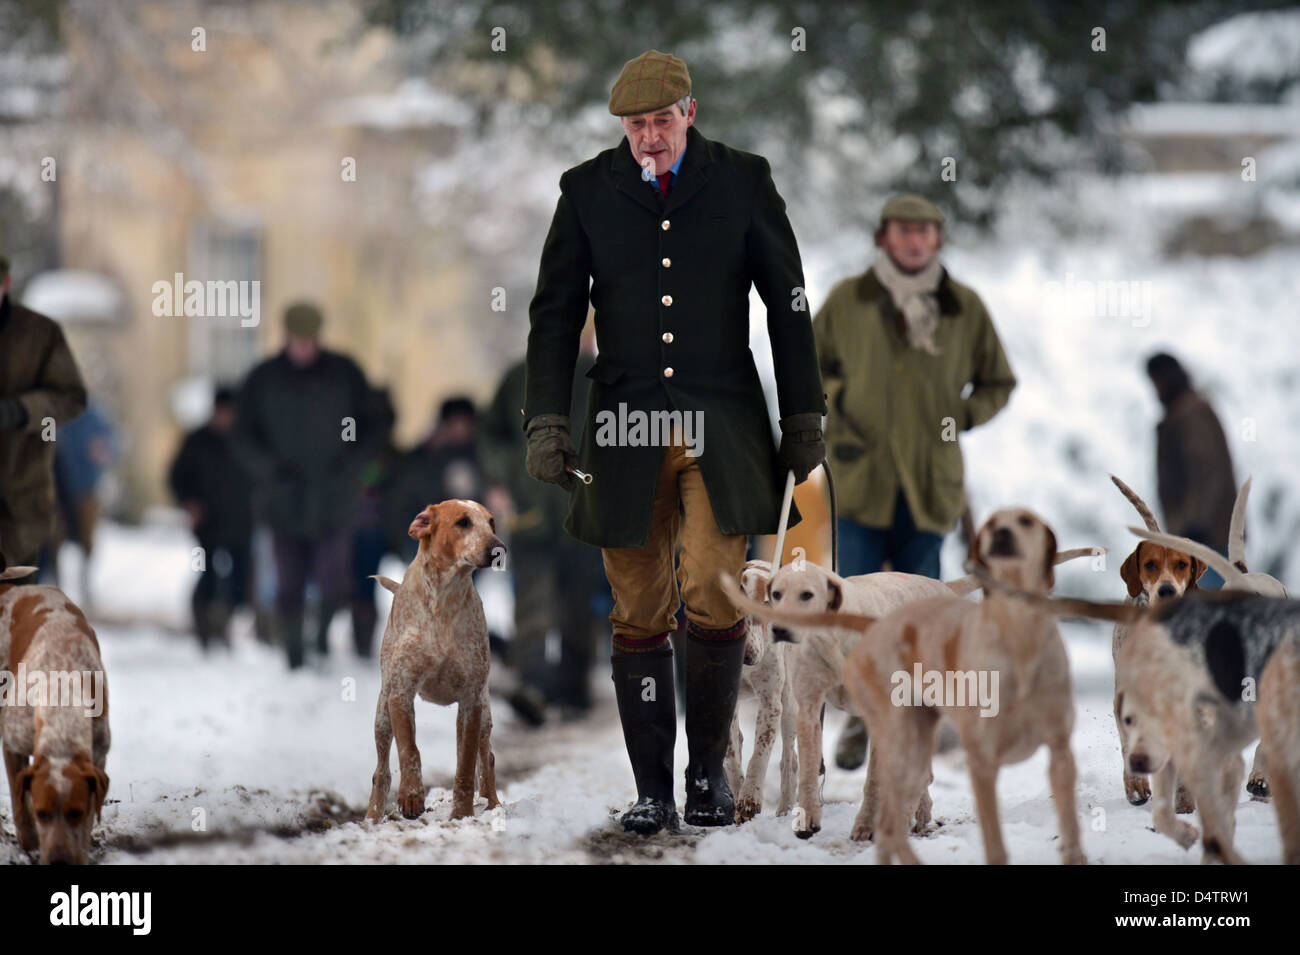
(549, 449)
(802, 445)
(12, 414)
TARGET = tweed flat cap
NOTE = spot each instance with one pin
(911, 208)
(302, 320)
(650, 82)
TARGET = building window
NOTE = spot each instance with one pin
(221, 346)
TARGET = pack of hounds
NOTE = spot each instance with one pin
(1199, 675)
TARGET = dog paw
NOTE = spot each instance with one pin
(1073, 856)
(462, 808)
(922, 818)
(1185, 834)
(747, 808)
(1137, 789)
(410, 803)
(862, 832)
(1257, 786)
(807, 831)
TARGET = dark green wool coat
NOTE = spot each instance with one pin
(669, 281)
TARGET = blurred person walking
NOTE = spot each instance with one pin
(444, 465)
(369, 538)
(306, 424)
(40, 390)
(664, 234)
(1194, 476)
(209, 480)
(900, 345)
(557, 578)
(85, 450)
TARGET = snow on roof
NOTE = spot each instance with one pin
(414, 104)
(69, 295)
(1214, 119)
(1250, 46)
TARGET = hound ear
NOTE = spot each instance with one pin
(1049, 562)
(760, 591)
(1198, 568)
(97, 781)
(424, 523)
(837, 595)
(1131, 573)
(24, 777)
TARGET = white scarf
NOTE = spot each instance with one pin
(915, 296)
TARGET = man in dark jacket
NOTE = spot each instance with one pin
(664, 235)
(211, 484)
(1193, 464)
(40, 389)
(307, 422)
(444, 465)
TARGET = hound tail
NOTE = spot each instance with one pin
(1143, 511)
(1237, 530)
(1070, 607)
(386, 582)
(795, 618)
(962, 586)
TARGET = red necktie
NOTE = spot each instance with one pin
(665, 181)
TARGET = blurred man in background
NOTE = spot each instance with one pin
(40, 389)
(444, 465)
(210, 482)
(369, 537)
(306, 424)
(900, 345)
(1194, 476)
(557, 579)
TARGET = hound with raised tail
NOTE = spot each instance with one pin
(59, 794)
(810, 605)
(436, 646)
(1152, 573)
(768, 675)
(1236, 577)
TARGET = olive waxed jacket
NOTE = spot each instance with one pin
(896, 411)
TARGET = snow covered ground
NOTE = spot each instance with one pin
(230, 758)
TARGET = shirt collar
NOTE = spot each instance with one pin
(677, 165)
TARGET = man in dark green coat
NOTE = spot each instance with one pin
(664, 234)
(911, 360)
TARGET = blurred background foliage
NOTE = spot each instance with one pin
(883, 93)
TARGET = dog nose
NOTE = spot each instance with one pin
(782, 635)
(1139, 763)
(1002, 535)
(1166, 590)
